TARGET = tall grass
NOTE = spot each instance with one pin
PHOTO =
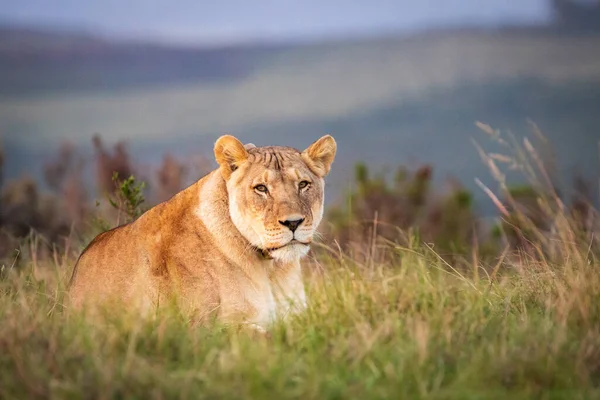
(408, 324)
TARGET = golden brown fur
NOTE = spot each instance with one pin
(227, 246)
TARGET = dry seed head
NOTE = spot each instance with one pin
(486, 128)
(499, 176)
(530, 148)
(501, 158)
(493, 197)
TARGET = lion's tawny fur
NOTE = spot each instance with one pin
(220, 248)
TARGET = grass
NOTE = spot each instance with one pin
(411, 328)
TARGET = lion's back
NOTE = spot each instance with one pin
(106, 268)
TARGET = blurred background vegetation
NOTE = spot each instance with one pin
(81, 101)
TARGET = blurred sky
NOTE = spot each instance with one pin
(241, 20)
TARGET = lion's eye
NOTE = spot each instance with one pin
(303, 184)
(261, 188)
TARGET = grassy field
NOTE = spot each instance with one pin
(411, 327)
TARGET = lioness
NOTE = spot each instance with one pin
(228, 246)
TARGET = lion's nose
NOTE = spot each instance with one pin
(292, 224)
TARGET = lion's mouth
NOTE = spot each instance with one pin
(290, 243)
(266, 253)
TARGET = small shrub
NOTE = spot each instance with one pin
(377, 210)
(128, 198)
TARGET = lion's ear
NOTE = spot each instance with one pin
(319, 155)
(230, 153)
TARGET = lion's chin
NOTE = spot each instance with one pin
(290, 252)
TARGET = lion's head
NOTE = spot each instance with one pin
(276, 193)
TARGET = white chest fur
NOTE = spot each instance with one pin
(280, 297)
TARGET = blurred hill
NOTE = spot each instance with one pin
(388, 100)
(36, 61)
